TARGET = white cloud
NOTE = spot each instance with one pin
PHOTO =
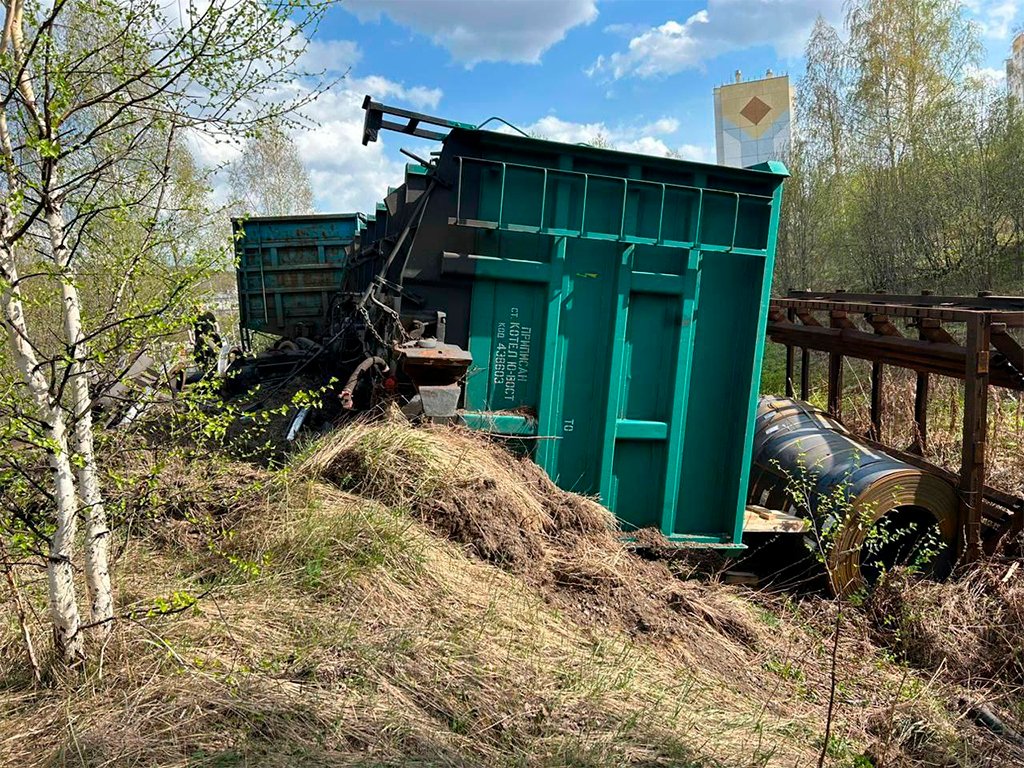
(345, 175)
(722, 27)
(555, 129)
(478, 30)
(645, 145)
(417, 97)
(989, 77)
(331, 56)
(212, 150)
(662, 125)
(653, 138)
(994, 17)
(655, 147)
(624, 30)
(701, 153)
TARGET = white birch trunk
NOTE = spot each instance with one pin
(97, 532)
(59, 570)
(60, 574)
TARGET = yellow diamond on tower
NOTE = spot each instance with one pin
(755, 110)
(752, 120)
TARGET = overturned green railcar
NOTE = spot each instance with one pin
(613, 304)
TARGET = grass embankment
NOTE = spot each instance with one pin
(421, 597)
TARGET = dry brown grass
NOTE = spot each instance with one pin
(1005, 462)
(339, 628)
(971, 630)
(969, 633)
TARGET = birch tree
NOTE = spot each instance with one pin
(91, 93)
(824, 108)
(49, 428)
(269, 179)
(906, 171)
(912, 57)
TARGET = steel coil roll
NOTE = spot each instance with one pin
(807, 463)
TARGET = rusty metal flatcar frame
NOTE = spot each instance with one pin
(989, 356)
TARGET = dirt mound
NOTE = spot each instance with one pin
(507, 511)
(504, 507)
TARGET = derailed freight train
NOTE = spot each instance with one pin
(606, 309)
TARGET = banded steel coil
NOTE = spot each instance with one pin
(795, 440)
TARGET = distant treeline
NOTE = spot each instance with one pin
(907, 161)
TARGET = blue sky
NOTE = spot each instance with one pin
(640, 72)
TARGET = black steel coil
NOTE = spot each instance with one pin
(807, 463)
